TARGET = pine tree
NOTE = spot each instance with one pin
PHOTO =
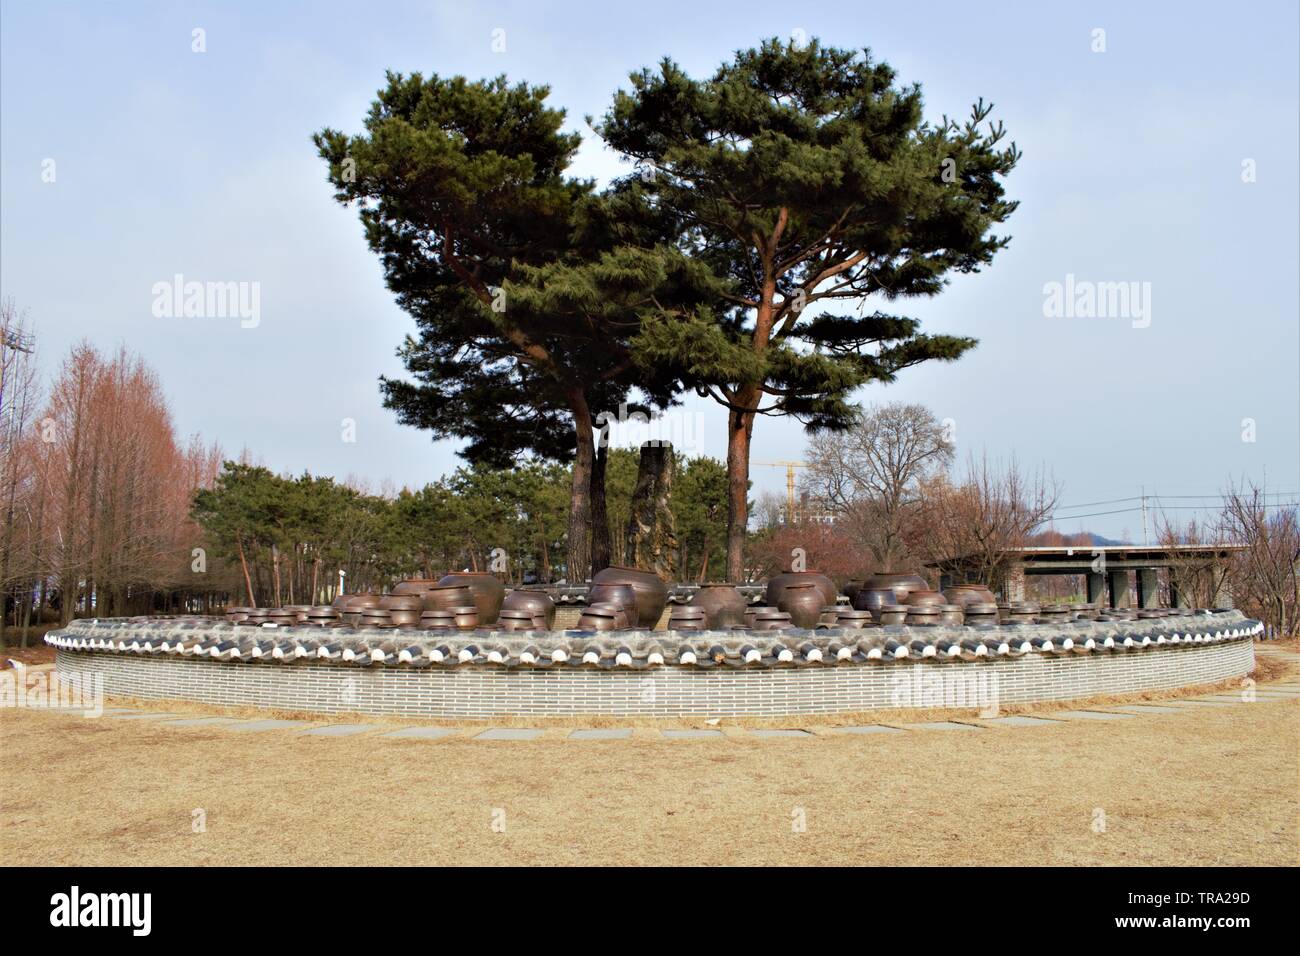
(804, 175)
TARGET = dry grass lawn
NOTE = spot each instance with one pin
(1217, 786)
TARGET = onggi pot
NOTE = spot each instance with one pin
(651, 592)
(723, 605)
(536, 603)
(488, 592)
(779, 583)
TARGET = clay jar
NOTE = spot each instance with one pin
(870, 599)
(1053, 614)
(803, 602)
(489, 593)
(888, 614)
(901, 584)
(603, 617)
(437, 619)
(853, 620)
(1023, 613)
(778, 584)
(964, 594)
(770, 619)
(951, 615)
(924, 615)
(414, 585)
(651, 592)
(444, 597)
(467, 617)
(688, 618)
(512, 619)
(925, 598)
(624, 595)
(536, 603)
(723, 605)
(985, 613)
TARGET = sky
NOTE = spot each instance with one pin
(1161, 148)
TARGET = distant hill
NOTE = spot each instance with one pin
(1080, 539)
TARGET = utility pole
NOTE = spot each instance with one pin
(1146, 542)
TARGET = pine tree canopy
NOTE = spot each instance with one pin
(805, 175)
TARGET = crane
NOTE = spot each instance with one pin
(789, 467)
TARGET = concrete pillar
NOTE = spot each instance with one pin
(1013, 588)
(1118, 588)
(1096, 588)
(1222, 590)
(1148, 581)
(1177, 598)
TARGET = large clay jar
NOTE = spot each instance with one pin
(488, 592)
(624, 595)
(651, 592)
(804, 603)
(414, 585)
(444, 597)
(536, 603)
(963, 594)
(723, 605)
(779, 583)
(901, 584)
(871, 599)
(925, 598)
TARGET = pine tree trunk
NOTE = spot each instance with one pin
(248, 581)
(578, 553)
(740, 427)
(651, 540)
(600, 550)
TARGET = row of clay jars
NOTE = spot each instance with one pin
(485, 591)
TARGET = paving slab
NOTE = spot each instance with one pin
(1223, 699)
(1197, 702)
(941, 725)
(200, 721)
(338, 730)
(601, 733)
(778, 732)
(1151, 708)
(1093, 715)
(148, 715)
(1019, 720)
(509, 733)
(690, 734)
(423, 733)
(265, 724)
(868, 729)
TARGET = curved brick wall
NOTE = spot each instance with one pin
(670, 690)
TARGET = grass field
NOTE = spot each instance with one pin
(1218, 786)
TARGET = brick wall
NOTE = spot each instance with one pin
(668, 691)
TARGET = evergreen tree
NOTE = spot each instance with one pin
(802, 176)
(526, 286)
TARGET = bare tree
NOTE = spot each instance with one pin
(1266, 575)
(18, 398)
(870, 476)
(1198, 578)
(991, 513)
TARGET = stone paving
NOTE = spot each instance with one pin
(1270, 693)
